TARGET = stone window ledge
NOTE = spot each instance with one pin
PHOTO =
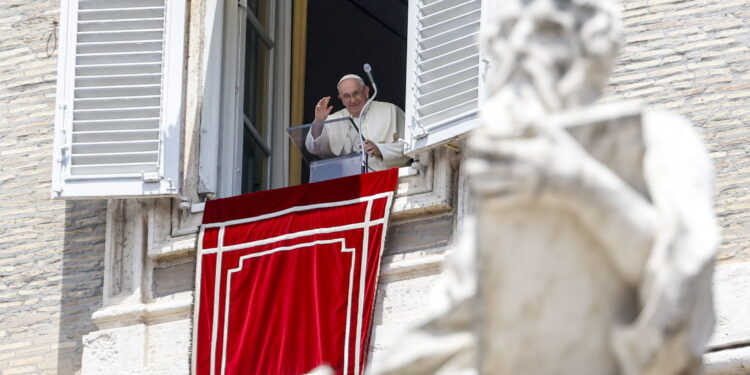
(171, 308)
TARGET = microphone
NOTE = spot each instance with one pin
(368, 70)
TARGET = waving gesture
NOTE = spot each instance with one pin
(322, 110)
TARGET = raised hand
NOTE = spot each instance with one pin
(322, 110)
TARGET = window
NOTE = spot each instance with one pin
(119, 98)
(343, 35)
(245, 140)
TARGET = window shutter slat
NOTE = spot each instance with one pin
(117, 91)
(462, 86)
(121, 36)
(116, 120)
(113, 135)
(118, 102)
(121, 25)
(119, 80)
(466, 67)
(116, 158)
(115, 114)
(109, 14)
(451, 101)
(119, 47)
(117, 69)
(444, 71)
(119, 58)
(113, 170)
(453, 54)
(108, 125)
(109, 4)
(120, 146)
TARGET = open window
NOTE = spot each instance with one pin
(341, 36)
(119, 98)
(277, 58)
(425, 55)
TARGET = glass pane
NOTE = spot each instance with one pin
(256, 93)
(256, 101)
(254, 166)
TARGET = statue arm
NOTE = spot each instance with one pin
(676, 318)
(548, 167)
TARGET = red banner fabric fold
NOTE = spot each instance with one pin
(286, 278)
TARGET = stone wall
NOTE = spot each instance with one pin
(51, 252)
(693, 57)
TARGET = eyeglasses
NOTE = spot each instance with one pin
(355, 95)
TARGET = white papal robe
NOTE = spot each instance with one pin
(383, 124)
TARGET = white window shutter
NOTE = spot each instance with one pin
(119, 98)
(443, 71)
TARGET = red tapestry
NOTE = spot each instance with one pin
(286, 278)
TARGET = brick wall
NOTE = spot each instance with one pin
(693, 57)
(51, 253)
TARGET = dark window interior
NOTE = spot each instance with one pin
(343, 35)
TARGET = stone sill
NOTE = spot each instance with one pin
(175, 307)
(735, 361)
(425, 188)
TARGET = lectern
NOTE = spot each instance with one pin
(326, 167)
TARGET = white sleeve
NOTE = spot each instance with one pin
(393, 152)
(333, 140)
(318, 146)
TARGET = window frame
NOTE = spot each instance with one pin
(221, 142)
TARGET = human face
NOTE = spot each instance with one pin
(353, 95)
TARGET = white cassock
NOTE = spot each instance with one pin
(383, 124)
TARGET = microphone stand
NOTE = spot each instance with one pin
(362, 114)
(362, 154)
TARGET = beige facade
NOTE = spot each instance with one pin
(52, 252)
(92, 286)
(691, 57)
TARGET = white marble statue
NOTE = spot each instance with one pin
(590, 248)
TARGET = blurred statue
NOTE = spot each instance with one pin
(590, 248)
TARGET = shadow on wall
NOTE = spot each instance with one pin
(82, 278)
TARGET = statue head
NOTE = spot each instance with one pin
(558, 52)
